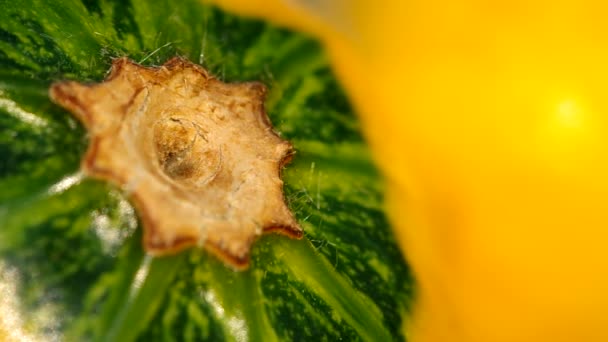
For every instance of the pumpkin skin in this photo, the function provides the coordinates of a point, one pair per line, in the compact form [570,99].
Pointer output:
[71,261]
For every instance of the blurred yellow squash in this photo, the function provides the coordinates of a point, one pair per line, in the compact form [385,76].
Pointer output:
[489,120]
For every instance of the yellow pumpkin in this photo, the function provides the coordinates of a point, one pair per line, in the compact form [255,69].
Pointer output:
[490,122]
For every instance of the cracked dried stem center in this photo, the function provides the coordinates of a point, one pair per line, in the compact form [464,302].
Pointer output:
[198,157]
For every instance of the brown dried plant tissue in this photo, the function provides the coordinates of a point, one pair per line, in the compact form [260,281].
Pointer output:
[198,157]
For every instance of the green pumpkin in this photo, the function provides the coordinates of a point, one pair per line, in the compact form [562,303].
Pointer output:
[72,265]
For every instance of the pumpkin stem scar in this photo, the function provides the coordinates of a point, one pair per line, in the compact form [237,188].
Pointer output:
[198,157]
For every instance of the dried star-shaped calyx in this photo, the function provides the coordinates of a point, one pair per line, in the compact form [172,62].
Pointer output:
[197,156]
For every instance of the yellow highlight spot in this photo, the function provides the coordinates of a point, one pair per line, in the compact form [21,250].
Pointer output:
[569,114]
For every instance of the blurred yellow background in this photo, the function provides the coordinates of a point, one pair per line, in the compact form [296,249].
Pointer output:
[489,121]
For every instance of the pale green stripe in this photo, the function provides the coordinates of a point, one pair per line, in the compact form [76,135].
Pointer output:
[314,270]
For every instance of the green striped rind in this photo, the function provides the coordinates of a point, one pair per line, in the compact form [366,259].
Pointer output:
[75,241]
